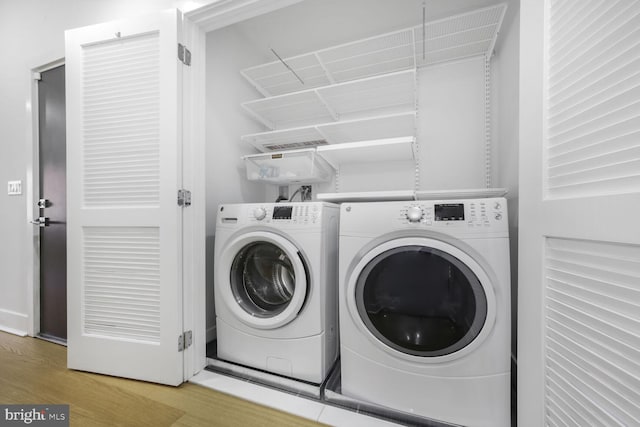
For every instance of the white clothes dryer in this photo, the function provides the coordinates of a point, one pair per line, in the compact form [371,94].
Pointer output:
[276,287]
[424,303]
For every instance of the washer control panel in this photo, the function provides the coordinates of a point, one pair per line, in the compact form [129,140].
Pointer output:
[464,213]
[307,213]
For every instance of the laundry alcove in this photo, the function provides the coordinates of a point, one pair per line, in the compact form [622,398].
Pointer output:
[383,119]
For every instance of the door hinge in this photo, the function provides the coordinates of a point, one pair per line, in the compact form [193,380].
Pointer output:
[184,55]
[184,340]
[184,198]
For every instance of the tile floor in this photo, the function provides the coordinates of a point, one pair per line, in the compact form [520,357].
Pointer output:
[301,406]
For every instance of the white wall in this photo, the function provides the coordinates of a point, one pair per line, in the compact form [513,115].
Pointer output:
[227,53]
[451,125]
[505,104]
[33,31]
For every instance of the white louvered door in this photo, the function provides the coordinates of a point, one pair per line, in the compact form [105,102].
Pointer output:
[124,225]
[579,271]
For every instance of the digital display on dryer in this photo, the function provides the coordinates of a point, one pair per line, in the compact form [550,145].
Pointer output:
[282,212]
[449,212]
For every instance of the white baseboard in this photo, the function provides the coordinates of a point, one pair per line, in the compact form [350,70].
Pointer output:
[14,323]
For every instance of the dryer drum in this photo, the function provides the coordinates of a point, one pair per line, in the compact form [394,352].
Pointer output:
[262,279]
[421,301]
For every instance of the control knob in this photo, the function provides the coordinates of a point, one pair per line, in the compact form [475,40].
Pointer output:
[259,213]
[414,214]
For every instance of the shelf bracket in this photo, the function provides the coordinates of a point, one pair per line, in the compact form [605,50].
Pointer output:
[487,120]
[270,125]
[255,84]
[335,116]
[325,69]
[424,30]
[287,65]
[323,135]
[416,145]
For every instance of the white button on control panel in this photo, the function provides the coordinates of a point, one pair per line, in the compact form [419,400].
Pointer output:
[414,213]
[259,213]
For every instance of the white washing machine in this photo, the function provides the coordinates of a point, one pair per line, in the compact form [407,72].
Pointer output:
[424,304]
[276,287]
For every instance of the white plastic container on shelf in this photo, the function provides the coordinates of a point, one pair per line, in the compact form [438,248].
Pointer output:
[286,167]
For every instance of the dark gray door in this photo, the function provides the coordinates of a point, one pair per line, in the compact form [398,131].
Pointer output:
[53,238]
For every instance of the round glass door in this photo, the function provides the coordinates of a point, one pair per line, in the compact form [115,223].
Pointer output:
[421,301]
[263,279]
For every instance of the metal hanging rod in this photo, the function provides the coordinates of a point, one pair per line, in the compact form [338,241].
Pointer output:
[286,65]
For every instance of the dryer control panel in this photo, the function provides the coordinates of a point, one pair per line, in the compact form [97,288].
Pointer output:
[472,213]
[462,218]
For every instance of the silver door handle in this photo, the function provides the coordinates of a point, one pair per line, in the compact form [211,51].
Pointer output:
[43,221]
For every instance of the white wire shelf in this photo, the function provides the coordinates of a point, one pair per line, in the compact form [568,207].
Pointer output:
[385,94]
[381,150]
[456,37]
[371,128]
[470,193]
[378,196]
[318,164]
[367,196]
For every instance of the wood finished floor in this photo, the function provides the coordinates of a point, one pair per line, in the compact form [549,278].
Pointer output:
[33,371]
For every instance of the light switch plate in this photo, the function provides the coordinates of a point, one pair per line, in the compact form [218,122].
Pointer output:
[14,188]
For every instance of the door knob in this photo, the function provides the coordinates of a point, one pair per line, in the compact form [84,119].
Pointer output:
[43,221]
[44,203]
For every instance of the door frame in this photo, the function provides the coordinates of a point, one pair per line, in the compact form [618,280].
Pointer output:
[32,192]
[198,23]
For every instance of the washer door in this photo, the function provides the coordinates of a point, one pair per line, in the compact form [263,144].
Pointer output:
[264,280]
[422,298]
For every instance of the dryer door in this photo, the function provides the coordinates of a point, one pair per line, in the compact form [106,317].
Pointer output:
[422,297]
[264,279]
